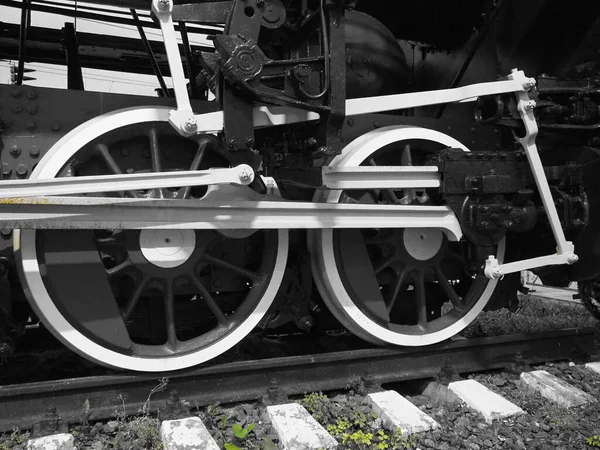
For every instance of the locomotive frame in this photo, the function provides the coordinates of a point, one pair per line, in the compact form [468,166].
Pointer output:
[282,158]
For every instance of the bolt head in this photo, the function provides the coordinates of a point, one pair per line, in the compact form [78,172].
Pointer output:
[245,175]
[163,4]
[190,124]
[530,105]
[15,150]
[22,170]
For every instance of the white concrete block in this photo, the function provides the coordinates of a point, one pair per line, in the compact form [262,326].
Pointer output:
[595,367]
[62,441]
[486,402]
[555,389]
[297,429]
[186,434]
[396,411]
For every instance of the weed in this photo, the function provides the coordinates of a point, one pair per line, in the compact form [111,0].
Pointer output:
[593,441]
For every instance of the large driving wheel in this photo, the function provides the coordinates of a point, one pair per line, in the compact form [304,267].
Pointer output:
[147,300]
[397,286]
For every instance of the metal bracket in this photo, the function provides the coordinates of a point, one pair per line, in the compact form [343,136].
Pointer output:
[565,250]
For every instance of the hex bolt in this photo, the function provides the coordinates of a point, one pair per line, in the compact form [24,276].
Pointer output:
[164,4]
[15,150]
[530,105]
[190,124]
[5,232]
[232,143]
[250,143]
[34,152]
[22,170]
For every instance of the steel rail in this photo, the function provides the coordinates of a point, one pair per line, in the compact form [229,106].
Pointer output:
[24,404]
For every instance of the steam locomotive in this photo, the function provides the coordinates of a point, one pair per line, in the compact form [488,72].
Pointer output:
[390,167]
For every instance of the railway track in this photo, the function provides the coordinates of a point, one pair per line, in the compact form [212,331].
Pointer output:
[274,379]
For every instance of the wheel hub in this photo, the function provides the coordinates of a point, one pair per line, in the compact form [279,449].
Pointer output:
[167,248]
[422,243]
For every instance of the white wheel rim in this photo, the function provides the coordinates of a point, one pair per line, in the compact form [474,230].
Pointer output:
[325,268]
[29,269]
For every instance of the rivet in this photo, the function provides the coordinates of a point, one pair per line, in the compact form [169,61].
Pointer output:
[17,108]
[31,125]
[250,143]
[31,108]
[6,169]
[31,95]
[350,122]
[16,93]
[7,123]
[55,126]
[15,150]
[22,170]
[376,124]
[34,152]
[232,143]
[5,232]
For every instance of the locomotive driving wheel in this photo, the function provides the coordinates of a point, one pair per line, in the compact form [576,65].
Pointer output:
[396,286]
[147,300]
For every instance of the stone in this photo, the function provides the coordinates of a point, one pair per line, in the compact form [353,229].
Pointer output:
[439,394]
[555,389]
[489,404]
[97,445]
[297,429]
[594,367]
[63,441]
[186,434]
[396,412]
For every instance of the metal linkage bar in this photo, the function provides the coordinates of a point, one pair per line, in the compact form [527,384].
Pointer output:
[380,177]
[565,251]
[242,174]
[120,213]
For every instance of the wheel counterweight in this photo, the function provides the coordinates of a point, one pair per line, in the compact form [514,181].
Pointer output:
[146,300]
[396,286]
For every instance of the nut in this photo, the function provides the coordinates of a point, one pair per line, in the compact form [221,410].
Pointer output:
[22,170]
[572,258]
[15,150]
[164,4]
[190,125]
[245,175]
[529,105]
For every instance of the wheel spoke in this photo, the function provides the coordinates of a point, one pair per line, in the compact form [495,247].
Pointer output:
[119,268]
[398,282]
[421,300]
[135,297]
[210,301]
[185,191]
[112,164]
[449,290]
[232,267]
[170,316]
[384,264]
